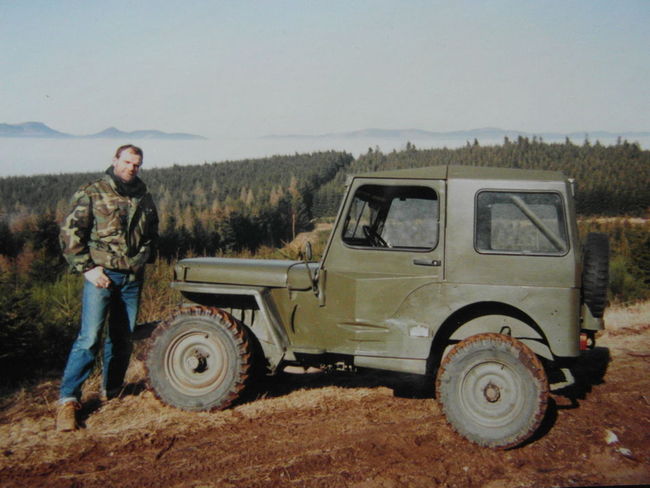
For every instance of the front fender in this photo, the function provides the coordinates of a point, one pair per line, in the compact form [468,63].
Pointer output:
[251,305]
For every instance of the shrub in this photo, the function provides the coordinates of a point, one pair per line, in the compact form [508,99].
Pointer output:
[19,336]
[623,284]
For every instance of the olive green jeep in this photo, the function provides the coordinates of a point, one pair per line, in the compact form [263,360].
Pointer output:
[474,277]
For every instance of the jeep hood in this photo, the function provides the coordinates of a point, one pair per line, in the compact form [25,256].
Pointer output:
[246,272]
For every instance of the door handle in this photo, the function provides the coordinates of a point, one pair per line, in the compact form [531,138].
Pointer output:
[427,262]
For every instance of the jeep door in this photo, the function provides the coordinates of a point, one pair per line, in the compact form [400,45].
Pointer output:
[388,242]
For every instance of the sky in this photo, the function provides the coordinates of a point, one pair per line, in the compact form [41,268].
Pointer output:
[255,68]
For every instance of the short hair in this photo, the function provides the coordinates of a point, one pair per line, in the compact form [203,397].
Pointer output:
[128,147]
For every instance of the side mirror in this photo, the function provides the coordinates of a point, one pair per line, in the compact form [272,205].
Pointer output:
[308,257]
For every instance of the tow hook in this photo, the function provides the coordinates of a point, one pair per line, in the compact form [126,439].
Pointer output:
[587,340]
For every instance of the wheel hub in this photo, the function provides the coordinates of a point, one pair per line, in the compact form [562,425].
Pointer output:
[197,362]
[492,393]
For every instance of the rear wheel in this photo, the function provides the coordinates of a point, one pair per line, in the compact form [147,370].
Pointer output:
[493,390]
[199,360]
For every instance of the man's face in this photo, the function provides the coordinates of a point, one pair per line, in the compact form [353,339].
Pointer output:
[126,167]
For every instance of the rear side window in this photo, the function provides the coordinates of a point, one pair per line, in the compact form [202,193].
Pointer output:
[401,217]
[520,223]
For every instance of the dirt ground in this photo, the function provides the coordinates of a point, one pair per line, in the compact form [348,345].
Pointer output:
[341,430]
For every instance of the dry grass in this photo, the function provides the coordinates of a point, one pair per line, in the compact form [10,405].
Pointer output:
[609,220]
[628,316]
[158,298]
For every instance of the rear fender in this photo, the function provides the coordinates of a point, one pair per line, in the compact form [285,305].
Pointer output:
[487,317]
[502,324]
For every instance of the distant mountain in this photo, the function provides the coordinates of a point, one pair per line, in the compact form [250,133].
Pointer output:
[29,129]
[38,129]
[482,133]
[113,133]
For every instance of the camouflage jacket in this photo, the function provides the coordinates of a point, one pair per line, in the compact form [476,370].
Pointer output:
[106,228]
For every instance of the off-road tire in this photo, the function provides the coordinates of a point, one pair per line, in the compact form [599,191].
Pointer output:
[595,273]
[493,390]
[199,360]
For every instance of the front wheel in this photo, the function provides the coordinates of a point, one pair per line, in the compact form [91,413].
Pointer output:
[493,390]
[199,360]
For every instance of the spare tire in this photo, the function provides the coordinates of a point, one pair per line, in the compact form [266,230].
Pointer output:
[595,273]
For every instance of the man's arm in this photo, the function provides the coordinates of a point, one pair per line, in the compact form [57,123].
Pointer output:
[74,236]
[75,233]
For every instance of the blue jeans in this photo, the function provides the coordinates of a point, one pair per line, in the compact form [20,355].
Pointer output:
[120,303]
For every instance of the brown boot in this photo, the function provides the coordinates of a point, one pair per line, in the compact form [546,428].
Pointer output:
[66,417]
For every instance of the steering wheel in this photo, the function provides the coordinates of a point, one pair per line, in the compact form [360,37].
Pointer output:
[375,239]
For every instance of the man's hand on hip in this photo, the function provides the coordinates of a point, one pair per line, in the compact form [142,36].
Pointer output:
[97,277]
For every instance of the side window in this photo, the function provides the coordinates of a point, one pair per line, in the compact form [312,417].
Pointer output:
[520,223]
[402,217]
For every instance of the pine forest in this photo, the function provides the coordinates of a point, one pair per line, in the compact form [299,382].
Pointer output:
[256,207]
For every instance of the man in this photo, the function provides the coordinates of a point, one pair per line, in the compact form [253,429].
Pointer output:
[108,236]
